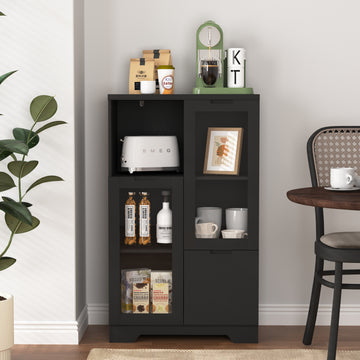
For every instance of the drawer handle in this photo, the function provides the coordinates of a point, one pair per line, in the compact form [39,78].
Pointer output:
[220,251]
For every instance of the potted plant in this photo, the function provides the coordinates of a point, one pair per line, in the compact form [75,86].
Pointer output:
[18,217]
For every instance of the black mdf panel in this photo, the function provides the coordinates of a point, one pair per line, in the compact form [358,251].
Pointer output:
[220,287]
[144,117]
[224,195]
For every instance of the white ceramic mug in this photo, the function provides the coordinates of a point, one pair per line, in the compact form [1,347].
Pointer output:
[206,214]
[236,218]
[206,230]
[147,87]
[342,178]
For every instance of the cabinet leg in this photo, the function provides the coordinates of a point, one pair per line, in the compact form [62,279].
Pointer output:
[244,335]
[123,335]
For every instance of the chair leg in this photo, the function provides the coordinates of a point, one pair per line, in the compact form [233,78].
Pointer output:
[314,304]
[335,313]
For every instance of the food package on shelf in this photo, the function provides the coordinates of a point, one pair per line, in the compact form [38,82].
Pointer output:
[128,278]
[141,298]
[141,69]
[160,57]
[160,300]
[162,276]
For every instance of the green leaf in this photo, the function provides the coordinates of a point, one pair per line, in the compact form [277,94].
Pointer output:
[12,223]
[2,14]
[16,209]
[6,181]
[22,168]
[6,262]
[5,76]
[25,136]
[4,154]
[49,125]
[44,180]
[15,146]
[43,107]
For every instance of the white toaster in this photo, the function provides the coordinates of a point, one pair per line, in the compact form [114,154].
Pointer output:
[150,153]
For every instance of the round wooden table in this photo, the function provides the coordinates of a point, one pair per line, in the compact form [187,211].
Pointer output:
[320,197]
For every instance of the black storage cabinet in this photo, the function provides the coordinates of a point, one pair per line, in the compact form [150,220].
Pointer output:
[215,281]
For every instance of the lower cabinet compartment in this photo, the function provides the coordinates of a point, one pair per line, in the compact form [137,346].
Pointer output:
[220,287]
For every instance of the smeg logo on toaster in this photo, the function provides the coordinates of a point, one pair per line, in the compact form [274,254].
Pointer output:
[156,150]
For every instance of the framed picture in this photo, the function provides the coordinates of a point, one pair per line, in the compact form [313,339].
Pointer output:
[223,151]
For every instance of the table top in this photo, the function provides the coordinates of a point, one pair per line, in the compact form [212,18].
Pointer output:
[320,197]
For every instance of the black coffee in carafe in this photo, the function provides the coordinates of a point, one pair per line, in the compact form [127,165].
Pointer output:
[209,71]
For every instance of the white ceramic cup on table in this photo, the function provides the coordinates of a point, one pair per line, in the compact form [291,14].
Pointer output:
[342,178]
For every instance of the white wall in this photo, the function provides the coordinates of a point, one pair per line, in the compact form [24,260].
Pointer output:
[37,38]
[303,59]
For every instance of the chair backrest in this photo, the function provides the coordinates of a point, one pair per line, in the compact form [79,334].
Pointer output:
[332,146]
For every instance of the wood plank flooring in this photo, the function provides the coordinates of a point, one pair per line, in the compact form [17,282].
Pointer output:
[270,337]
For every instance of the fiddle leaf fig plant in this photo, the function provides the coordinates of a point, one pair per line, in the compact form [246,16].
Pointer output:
[18,217]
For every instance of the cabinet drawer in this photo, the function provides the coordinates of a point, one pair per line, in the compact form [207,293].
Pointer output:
[221,287]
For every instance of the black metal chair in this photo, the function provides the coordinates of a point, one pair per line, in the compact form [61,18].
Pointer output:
[327,148]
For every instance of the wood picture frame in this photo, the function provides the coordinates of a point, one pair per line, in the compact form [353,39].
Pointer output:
[223,151]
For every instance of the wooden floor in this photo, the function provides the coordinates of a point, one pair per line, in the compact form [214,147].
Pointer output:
[270,337]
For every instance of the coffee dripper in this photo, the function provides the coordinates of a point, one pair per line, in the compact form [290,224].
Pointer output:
[209,55]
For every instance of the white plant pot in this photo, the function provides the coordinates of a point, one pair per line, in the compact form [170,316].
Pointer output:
[6,326]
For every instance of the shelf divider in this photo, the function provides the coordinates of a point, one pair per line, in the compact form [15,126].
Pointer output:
[222,178]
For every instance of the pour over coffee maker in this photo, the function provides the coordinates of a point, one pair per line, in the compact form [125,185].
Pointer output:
[210,62]
[209,56]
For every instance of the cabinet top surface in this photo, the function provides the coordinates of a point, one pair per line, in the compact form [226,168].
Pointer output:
[183,97]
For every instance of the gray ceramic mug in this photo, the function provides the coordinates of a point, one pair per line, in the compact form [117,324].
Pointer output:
[210,214]
[236,218]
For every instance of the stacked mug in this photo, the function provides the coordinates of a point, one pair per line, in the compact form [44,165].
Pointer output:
[208,223]
[236,67]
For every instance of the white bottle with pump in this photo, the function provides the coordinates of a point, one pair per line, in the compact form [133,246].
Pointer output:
[164,221]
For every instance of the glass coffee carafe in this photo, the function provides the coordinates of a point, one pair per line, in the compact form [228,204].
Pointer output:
[209,71]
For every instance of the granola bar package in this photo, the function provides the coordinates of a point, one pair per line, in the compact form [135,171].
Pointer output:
[161,276]
[128,278]
[141,297]
[160,303]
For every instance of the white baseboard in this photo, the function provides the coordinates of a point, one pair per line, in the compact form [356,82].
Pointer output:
[51,332]
[292,314]
[98,314]
[269,314]
[82,322]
